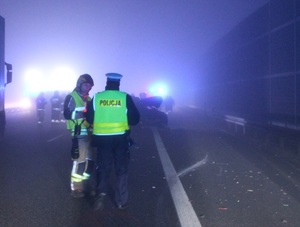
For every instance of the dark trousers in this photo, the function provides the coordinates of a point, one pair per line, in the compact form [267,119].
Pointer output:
[40,114]
[56,114]
[113,151]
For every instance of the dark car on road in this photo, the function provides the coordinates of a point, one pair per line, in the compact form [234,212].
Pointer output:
[149,111]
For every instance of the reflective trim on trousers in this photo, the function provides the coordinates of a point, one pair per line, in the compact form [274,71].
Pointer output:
[78,178]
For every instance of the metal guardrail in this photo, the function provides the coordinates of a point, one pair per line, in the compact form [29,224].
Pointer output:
[236,121]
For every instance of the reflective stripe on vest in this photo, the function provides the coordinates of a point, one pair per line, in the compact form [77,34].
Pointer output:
[110,113]
[80,106]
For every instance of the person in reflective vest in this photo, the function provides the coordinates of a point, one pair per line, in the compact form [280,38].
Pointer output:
[81,151]
[112,112]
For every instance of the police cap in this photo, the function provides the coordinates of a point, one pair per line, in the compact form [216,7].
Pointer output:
[113,77]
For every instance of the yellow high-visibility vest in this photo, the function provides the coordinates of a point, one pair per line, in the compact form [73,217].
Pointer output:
[80,106]
[110,116]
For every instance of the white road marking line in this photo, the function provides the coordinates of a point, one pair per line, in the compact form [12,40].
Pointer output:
[55,138]
[185,211]
[192,167]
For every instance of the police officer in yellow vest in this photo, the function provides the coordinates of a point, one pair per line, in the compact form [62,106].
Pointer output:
[81,152]
[112,112]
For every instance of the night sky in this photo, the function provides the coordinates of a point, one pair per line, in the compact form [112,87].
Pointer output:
[146,41]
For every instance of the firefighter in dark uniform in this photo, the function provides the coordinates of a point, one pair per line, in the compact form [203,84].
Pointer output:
[40,107]
[55,107]
[81,152]
[112,112]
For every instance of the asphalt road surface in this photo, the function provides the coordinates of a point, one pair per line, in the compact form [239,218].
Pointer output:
[189,174]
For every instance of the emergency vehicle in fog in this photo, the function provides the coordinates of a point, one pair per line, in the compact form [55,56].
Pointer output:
[5,77]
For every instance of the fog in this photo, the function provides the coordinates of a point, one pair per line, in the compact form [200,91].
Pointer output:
[149,42]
